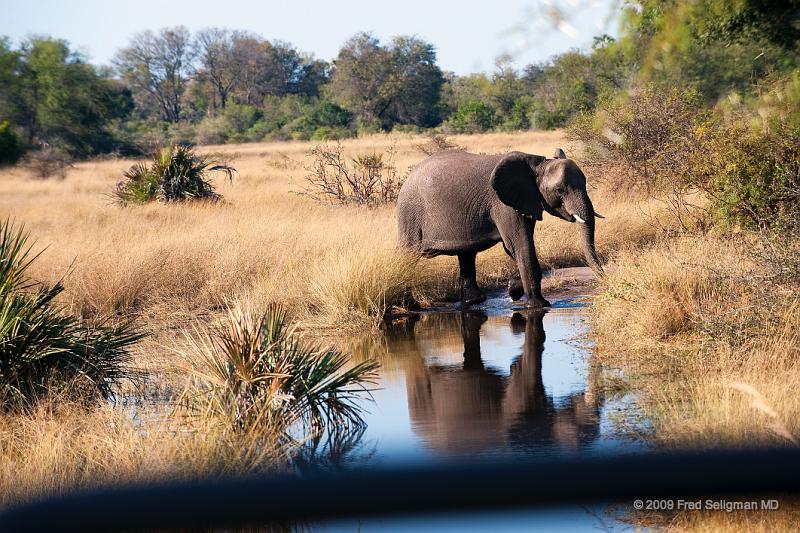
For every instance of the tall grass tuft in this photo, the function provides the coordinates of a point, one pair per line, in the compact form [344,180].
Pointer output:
[362,286]
[254,371]
[42,349]
[177,173]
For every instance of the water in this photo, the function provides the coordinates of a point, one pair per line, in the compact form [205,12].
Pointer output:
[493,382]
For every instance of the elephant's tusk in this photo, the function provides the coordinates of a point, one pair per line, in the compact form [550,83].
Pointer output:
[579,219]
[598,215]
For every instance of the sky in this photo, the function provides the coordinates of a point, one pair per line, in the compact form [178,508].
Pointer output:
[468,35]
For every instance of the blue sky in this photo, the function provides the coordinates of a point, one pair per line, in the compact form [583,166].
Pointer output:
[469,35]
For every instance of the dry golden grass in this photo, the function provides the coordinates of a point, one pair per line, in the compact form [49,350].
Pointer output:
[60,447]
[167,265]
[679,316]
[327,264]
[711,343]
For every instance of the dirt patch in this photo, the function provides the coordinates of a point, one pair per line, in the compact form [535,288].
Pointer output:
[570,282]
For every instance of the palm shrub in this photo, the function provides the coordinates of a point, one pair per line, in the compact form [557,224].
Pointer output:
[177,173]
[43,349]
[254,371]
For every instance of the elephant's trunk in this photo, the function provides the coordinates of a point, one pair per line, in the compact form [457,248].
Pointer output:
[584,214]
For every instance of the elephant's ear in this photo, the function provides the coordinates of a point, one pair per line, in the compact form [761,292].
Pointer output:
[514,182]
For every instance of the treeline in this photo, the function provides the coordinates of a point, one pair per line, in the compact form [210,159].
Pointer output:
[220,86]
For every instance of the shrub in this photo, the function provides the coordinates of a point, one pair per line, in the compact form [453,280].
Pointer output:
[368,179]
[667,141]
[519,116]
[48,162]
[473,116]
[10,149]
[642,140]
[255,371]
[43,350]
[752,176]
[326,133]
[212,130]
[177,173]
[438,143]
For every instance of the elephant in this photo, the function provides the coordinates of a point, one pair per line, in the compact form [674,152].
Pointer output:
[459,203]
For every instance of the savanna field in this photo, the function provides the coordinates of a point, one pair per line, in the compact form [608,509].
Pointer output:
[710,343]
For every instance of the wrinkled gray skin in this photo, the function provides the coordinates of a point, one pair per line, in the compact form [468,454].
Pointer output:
[457,203]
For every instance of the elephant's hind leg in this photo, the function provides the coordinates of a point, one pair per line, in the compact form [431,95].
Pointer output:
[471,294]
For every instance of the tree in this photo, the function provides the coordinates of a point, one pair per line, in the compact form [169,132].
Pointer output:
[363,80]
[222,64]
[419,83]
[9,81]
[716,45]
[385,85]
[62,101]
[157,67]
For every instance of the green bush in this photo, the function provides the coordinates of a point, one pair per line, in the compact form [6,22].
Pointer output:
[753,172]
[519,116]
[745,160]
[212,130]
[43,350]
[327,133]
[473,116]
[10,149]
[177,173]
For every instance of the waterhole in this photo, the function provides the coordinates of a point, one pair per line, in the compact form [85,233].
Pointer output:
[488,382]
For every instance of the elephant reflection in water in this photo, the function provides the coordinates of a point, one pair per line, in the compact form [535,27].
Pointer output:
[472,408]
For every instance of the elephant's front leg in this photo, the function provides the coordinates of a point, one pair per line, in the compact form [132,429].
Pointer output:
[515,287]
[470,292]
[520,246]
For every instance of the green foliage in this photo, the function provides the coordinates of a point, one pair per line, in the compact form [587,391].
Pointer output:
[323,121]
[10,149]
[753,166]
[746,162]
[255,371]
[473,116]
[43,350]
[177,173]
[716,45]
[385,85]
[58,99]
[573,82]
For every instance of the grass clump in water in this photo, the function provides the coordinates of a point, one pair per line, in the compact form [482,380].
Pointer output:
[255,372]
[177,173]
[43,349]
